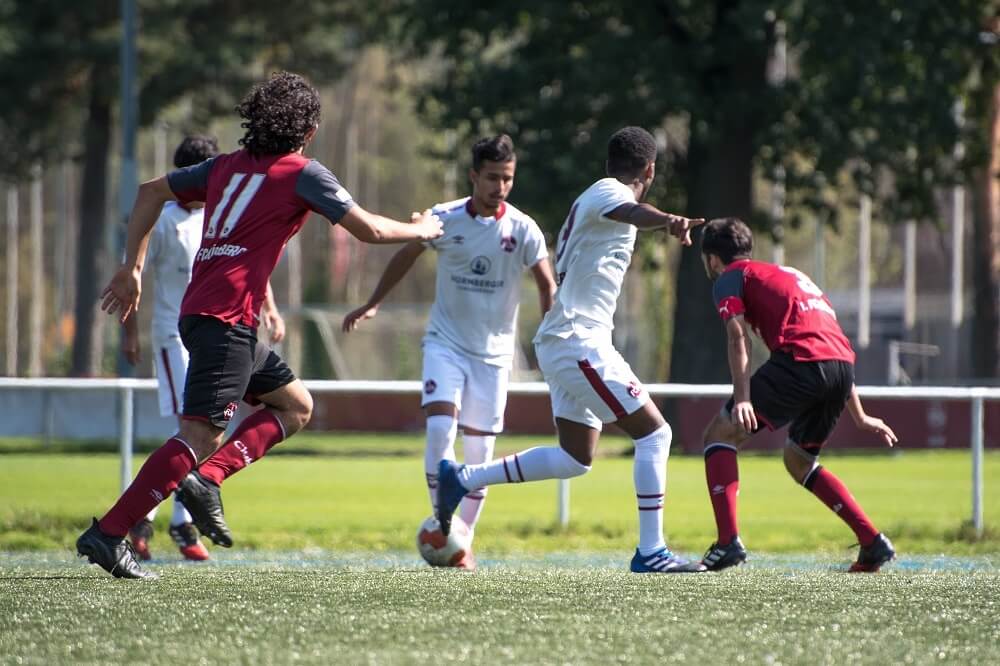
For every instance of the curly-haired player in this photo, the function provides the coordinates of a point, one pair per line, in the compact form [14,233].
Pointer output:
[256,199]
[807,382]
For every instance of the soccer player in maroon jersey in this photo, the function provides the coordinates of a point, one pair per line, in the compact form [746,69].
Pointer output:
[256,199]
[807,382]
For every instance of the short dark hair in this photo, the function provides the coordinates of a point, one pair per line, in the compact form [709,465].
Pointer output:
[195,149]
[496,149]
[279,113]
[728,238]
[630,149]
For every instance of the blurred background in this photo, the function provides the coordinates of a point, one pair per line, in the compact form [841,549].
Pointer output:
[860,139]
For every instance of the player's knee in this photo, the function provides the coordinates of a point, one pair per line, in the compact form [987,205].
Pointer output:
[721,429]
[298,413]
[571,465]
[797,462]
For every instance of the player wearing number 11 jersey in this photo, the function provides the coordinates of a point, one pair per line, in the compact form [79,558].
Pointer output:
[807,382]
[256,199]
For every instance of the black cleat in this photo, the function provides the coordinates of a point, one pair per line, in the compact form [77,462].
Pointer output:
[113,554]
[873,556]
[203,500]
[719,557]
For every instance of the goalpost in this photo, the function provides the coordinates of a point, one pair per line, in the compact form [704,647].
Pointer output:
[126,388]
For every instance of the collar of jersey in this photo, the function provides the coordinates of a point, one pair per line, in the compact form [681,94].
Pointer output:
[470,209]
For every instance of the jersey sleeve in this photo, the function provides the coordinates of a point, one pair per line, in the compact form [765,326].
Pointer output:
[322,192]
[191,183]
[609,195]
[728,294]
[534,246]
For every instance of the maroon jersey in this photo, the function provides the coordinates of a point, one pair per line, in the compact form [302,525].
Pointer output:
[253,205]
[785,307]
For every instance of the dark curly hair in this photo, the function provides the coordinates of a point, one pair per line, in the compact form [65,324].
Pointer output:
[629,151]
[496,149]
[728,238]
[195,149]
[279,113]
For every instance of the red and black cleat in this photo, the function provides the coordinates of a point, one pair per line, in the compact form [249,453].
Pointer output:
[140,536]
[874,555]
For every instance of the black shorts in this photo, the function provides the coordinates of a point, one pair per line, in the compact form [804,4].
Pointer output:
[227,364]
[811,395]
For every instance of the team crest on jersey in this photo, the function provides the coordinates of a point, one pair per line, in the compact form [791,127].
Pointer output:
[508,243]
[230,411]
[634,389]
[458,239]
[480,265]
[430,386]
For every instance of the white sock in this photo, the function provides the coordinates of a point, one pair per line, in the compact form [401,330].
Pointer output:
[180,514]
[477,449]
[441,431]
[541,462]
[649,472]
[151,516]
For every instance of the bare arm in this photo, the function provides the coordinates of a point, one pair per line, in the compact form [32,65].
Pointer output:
[130,339]
[124,290]
[645,216]
[869,423]
[371,228]
[738,351]
[546,283]
[271,317]
[395,270]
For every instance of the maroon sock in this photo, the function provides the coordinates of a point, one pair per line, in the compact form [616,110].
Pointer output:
[832,492]
[723,475]
[251,440]
[157,478]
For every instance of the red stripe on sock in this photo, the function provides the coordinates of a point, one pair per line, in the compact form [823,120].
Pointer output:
[250,442]
[832,492]
[602,389]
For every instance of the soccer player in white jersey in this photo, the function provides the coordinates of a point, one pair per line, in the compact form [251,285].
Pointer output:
[172,247]
[589,382]
[469,343]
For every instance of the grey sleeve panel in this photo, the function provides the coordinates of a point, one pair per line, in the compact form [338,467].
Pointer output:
[322,192]
[191,183]
[728,284]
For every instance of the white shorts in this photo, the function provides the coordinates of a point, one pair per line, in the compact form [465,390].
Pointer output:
[171,360]
[589,381]
[476,388]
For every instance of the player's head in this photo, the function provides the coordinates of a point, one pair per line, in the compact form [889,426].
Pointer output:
[492,172]
[632,157]
[280,115]
[723,241]
[195,149]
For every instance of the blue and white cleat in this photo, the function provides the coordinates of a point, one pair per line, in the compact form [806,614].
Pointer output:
[664,561]
[450,493]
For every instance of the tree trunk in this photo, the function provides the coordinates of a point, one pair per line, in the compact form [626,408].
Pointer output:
[91,261]
[719,185]
[986,255]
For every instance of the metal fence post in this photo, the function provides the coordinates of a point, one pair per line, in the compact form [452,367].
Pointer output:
[125,434]
[562,499]
[977,464]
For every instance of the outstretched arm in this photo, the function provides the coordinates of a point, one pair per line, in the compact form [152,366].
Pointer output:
[371,228]
[123,291]
[395,270]
[738,351]
[645,216]
[546,283]
[869,423]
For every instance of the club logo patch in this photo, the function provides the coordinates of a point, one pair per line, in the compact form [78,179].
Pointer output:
[634,389]
[430,386]
[480,265]
[508,243]
[230,411]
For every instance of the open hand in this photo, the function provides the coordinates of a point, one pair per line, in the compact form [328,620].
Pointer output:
[429,223]
[275,323]
[878,427]
[355,317]
[122,293]
[744,416]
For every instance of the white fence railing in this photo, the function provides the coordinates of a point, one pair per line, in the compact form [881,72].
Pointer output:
[977,396]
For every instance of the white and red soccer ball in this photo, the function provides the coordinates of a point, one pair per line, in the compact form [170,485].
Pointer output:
[439,550]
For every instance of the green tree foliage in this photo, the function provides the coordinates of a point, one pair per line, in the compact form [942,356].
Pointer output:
[871,89]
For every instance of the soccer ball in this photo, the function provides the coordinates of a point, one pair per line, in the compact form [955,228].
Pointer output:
[439,550]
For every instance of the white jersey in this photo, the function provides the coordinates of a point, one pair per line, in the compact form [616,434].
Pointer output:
[172,246]
[478,287]
[592,254]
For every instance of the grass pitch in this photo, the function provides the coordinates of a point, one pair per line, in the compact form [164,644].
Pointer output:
[544,612]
